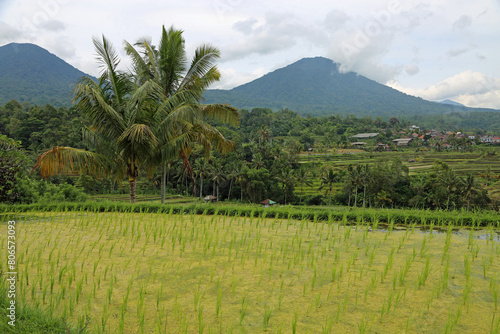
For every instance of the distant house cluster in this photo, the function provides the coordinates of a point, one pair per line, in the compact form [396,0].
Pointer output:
[441,138]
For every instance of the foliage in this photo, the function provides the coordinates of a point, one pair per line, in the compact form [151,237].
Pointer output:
[31,74]
[12,160]
[41,191]
[390,185]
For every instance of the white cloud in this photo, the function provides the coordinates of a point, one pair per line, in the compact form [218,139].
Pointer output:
[473,89]
[362,42]
[457,52]
[53,25]
[276,32]
[8,33]
[462,23]
[412,69]
[230,77]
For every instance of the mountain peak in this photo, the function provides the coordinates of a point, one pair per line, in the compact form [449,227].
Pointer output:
[29,73]
[315,86]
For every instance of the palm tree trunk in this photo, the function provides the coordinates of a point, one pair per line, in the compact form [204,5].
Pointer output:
[201,186]
[163,181]
[230,186]
[131,181]
[301,190]
[241,192]
[364,196]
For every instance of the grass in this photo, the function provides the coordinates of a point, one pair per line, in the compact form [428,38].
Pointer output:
[164,272]
[34,319]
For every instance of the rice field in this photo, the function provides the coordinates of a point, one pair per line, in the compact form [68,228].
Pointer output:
[167,273]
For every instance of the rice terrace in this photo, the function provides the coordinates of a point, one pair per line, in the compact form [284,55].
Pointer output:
[244,269]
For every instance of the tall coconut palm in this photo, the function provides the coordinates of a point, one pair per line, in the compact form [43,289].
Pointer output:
[470,187]
[202,169]
[176,88]
[303,177]
[218,176]
[121,132]
[234,174]
[327,183]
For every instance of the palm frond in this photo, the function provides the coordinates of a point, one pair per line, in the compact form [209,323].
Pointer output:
[221,112]
[137,140]
[70,161]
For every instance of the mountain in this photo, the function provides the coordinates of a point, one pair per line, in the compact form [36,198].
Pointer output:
[315,86]
[453,103]
[29,73]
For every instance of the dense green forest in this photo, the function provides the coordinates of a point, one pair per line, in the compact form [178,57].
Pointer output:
[266,163]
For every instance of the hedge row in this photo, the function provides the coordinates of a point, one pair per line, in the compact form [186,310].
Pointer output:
[342,214]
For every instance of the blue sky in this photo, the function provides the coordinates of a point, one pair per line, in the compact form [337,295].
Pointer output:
[439,49]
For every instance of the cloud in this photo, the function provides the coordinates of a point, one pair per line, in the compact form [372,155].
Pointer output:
[457,52]
[360,43]
[276,32]
[462,23]
[412,69]
[473,89]
[232,78]
[8,33]
[53,25]
[336,19]
[245,26]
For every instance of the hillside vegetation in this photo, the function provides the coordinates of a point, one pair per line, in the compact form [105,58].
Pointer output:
[29,73]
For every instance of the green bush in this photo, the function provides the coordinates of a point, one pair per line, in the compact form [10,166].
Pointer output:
[31,191]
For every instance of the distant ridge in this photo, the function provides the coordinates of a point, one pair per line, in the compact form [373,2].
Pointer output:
[315,86]
[451,102]
[29,73]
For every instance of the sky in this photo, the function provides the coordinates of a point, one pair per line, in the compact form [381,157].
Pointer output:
[436,49]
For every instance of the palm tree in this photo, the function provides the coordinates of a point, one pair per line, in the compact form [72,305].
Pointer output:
[121,131]
[234,174]
[470,187]
[327,183]
[448,180]
[217,177]
[202,169]
[287,178]
[175,87]
[257,161]
[303,177]
[366,178]
[354,179]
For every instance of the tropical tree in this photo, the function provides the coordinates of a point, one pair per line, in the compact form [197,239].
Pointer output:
[120,132]
[287,179]
[449,181]
[327,183]
[303,177]
[12,160]
[202,169]
[234,174]
[258,161]
[470,188]
[175,89]
[366,178]
[218,176]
